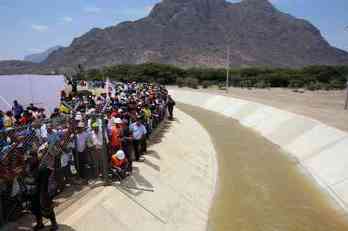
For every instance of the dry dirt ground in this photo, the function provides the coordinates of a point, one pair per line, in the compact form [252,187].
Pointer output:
[325,106]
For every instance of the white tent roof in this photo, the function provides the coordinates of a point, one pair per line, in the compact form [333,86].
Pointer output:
[42,90]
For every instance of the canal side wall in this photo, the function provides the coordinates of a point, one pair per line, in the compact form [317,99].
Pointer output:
[320,149]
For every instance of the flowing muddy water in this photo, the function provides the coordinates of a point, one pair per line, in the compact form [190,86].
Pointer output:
[259,187]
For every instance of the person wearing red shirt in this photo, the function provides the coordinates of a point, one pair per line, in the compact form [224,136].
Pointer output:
[116,135]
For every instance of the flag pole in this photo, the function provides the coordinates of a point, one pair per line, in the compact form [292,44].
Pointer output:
[227,68]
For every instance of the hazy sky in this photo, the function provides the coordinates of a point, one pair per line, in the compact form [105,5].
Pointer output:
[30,26]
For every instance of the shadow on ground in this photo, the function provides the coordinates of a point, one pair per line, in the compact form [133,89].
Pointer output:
[29,228]
[134,185]
[158,135]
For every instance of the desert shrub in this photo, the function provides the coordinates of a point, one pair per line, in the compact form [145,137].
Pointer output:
[261,84]
[296,83]
[278,80]
[180,82]
[326,87]
[192,83]
[222,86]
[337,84]
[313,86]
[325,77]
[207,84]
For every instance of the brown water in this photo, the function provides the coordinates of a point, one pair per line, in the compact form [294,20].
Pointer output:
[259,187]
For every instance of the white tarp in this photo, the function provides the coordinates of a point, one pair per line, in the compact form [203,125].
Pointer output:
[42,90]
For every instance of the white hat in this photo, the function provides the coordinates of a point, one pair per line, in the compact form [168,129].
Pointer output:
[78,117]
[120,155]
[117,121]
[91,111]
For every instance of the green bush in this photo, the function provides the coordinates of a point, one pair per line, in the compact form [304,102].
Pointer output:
[325,86]
[313,86]
[337,84]
[180,82]
[311,77]
[296,83]
[222,86]
[261,84]
[278,79]
[207,84]
[192,83]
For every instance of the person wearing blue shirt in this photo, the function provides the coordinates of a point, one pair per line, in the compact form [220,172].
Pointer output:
[139,137]
[17,110]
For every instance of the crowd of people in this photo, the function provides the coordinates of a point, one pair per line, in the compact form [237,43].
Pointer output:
[86,137]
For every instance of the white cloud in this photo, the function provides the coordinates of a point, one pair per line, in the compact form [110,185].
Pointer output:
[39,28]
[67,19]
[92,9]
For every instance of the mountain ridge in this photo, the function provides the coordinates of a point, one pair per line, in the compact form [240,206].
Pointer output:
[190,33]
[41,56]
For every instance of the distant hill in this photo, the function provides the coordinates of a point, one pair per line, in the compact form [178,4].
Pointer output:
[11,67]
[191,33]
[40,57]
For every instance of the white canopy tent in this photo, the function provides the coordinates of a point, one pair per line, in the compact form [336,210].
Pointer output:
[42,90]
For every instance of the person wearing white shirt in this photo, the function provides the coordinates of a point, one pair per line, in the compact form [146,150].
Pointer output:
[139,132]
[97,138]
[81,148]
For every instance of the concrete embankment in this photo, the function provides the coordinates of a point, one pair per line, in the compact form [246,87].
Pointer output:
[319,149]
[175,187]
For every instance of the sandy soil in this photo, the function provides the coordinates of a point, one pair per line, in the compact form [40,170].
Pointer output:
[325,106]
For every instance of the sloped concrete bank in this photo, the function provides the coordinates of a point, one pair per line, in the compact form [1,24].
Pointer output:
[319,149]
[171,191]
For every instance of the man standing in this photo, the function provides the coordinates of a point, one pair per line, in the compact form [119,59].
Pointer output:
[81,148]
[17,110]
[170,105]
[147,118]
[139,135]
[126,144]
[97,139]
[42,201]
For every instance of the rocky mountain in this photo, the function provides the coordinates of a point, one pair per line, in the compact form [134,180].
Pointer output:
[197,33]
[40,57]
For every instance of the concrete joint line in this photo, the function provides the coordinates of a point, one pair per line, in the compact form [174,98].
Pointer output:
[339,182]
[324,185]
[328,146]
[120,189]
